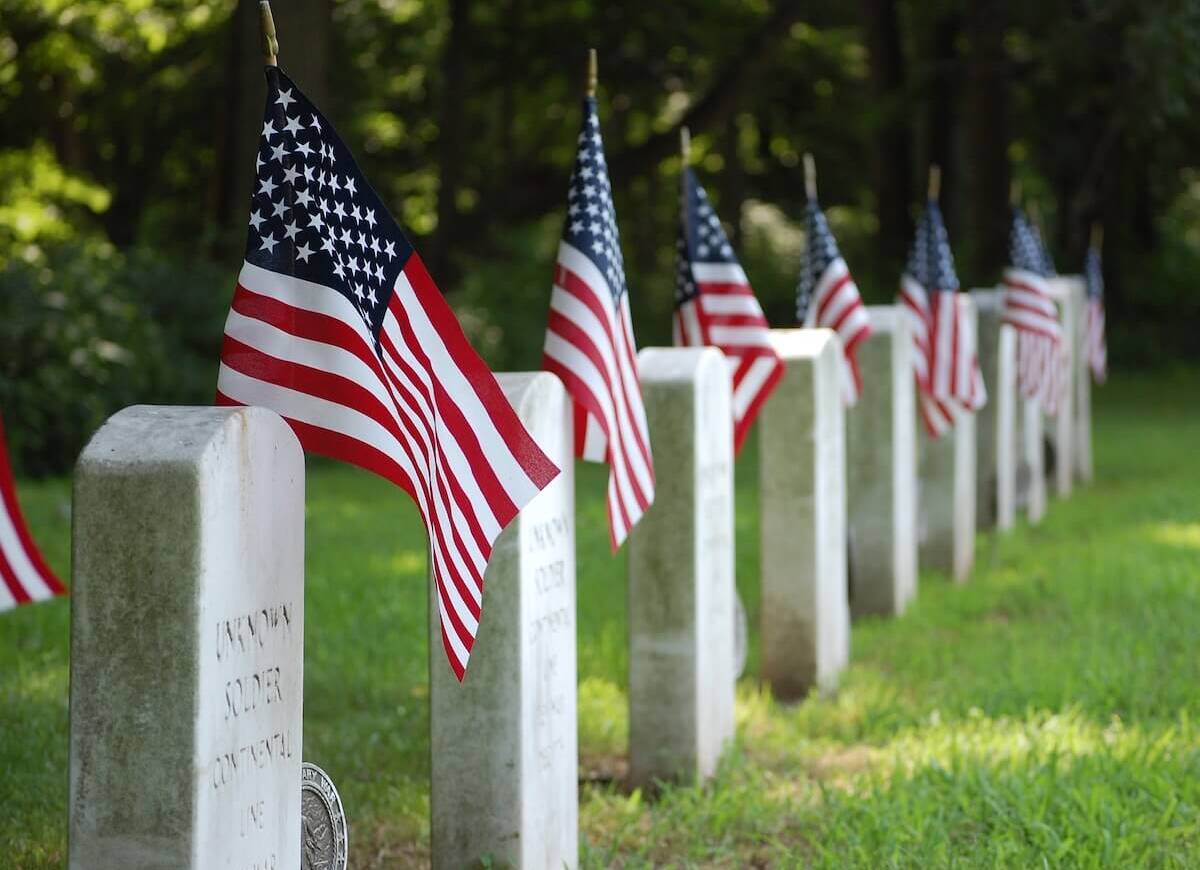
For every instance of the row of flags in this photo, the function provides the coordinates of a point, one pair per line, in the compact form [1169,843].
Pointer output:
[337,326]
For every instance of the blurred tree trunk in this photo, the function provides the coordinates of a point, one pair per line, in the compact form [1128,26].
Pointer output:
[942,118]
[455,57]
[893,160]
[987,136]
[732,182]
[303,28]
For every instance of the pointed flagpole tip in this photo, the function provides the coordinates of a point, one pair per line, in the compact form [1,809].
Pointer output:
[1097,234]
[593,75]
[935,182]
[685,144]
[810,176]
[270,43]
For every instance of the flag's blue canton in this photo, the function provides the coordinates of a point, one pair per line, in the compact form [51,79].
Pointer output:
[313,215]
[1043,252]
[1024,249]
[820,250]
[591,226]
[702,239]
[930,262]
[1093,273]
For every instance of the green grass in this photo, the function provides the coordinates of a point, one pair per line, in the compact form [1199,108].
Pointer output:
[1046,714]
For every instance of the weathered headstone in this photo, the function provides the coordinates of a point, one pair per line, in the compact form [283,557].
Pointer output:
[947,486]
[1033,453]
[1083,388]
[989,306]
[1007,400]
[504,745]
[187,642]
[1070,306]
[681,573]
[802,492]
[881,470]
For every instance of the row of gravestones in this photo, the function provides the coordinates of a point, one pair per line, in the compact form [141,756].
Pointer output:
[188,614]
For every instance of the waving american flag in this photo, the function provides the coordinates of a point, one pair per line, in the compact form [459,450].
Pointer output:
[1097,344]
[715,305]
[337,327]
[827,296]
[589,337]
[1029,308]
[24,575]
[947,370]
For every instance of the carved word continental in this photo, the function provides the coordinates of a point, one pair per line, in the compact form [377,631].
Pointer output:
[231,766]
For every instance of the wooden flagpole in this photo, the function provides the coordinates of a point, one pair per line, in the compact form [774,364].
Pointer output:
[1097,239]
[1014,193]
[685,145]
[810,176]
[935,181]
[592,73]
[270,42]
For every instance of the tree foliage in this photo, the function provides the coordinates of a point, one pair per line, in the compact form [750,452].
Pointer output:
[129,126]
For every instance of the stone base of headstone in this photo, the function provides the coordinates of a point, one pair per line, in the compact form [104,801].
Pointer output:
[882,470]
[802,492]
[681,573]
[947,488]
[187,642]
[504,750]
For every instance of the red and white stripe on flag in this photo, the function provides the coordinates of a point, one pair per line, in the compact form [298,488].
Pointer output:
[589,345]
[945,362]
[1030,309]
[725,314]
[420,409]
[24,575]
[837,305]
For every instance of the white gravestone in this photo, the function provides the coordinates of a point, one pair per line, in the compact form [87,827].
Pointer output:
[881,450]
[1007,435]
[1033,449]
[681,573]
[947,486]
[504,745]
[1062,423]
[988,306]
[802,493]
[1083,386]
[187,642]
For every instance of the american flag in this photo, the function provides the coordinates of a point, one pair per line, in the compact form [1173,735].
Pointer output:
[827,296]
[337,326]
[24,575]
[1097,343]
[715,305]
[947,370]
[589,337]
[1029,308]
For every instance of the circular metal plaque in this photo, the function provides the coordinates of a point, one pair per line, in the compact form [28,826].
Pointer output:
[323,834]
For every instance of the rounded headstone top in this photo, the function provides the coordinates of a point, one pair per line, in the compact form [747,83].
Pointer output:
[805,343]
[526,391]
[171,435]
[678,364]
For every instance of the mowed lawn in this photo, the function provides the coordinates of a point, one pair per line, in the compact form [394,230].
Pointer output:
[1046,714]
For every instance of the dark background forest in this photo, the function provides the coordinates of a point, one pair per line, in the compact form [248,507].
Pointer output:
[129,129]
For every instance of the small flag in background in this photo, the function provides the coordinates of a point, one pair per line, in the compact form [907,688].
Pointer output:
[589,337]
[827,296]
[337,327]
[1097,343]
[1029,308]
[24,575]
[715,306]
[945,365]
